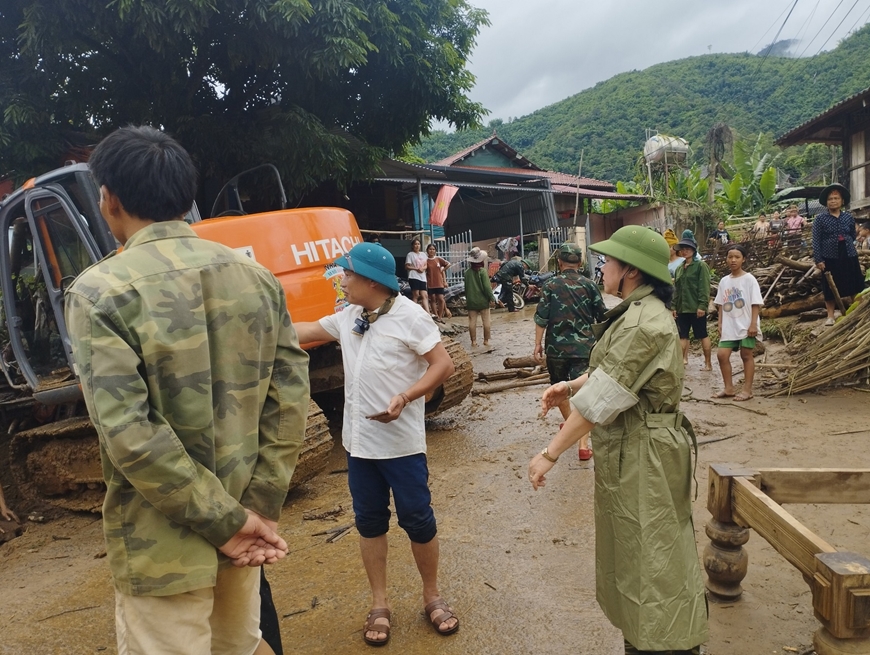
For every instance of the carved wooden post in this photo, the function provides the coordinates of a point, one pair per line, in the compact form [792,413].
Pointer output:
[841,600]
[725,560]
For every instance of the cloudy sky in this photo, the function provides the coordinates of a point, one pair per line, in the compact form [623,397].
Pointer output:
[537,52]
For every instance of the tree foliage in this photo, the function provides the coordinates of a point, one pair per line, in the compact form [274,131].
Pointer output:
[322,88]
[683,98]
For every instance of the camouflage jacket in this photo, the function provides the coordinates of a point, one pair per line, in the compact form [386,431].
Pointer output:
[197,387]
[570,303]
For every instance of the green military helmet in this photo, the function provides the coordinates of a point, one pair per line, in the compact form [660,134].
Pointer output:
[570,252]
[640,247]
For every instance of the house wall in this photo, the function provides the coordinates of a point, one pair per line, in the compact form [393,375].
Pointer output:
[490,158]
[856,160]
[602,226]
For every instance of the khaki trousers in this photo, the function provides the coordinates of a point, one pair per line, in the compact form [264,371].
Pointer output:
[219,620]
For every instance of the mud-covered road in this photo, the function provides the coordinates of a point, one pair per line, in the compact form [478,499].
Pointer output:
[517,566]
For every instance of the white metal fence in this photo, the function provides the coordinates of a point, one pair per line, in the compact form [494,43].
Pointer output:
[455,249]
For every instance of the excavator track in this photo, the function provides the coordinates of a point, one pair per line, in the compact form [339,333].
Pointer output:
[457,386]
[60,462]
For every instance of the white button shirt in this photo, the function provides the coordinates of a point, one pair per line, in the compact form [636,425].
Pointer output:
[383,362]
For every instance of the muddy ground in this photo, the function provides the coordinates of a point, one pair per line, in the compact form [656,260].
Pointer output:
[518,566]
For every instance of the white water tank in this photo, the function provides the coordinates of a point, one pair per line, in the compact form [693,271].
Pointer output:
[661,147]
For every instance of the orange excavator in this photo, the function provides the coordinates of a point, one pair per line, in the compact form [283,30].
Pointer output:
[51,229]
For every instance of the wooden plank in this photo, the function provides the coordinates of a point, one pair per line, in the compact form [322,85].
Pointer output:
[834,486]
[752,508]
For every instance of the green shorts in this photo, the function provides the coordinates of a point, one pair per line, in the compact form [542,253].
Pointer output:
[748,342]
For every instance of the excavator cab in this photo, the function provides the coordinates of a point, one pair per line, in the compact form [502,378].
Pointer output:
[49,233]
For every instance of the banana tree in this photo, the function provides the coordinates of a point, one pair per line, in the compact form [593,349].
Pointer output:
[753,179]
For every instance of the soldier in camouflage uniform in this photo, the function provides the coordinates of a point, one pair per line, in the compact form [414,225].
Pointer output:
[197,387]
[570,303]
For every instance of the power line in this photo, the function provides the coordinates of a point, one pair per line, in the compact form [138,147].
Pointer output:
[807,21]
[838,27]
[767,54]
[860,18]
[807,47]
[830,16]
[757,43]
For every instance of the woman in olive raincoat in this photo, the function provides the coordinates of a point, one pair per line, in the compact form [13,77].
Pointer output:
[648,578]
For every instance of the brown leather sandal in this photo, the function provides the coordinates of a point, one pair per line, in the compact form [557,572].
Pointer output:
[446,615]
[371,626]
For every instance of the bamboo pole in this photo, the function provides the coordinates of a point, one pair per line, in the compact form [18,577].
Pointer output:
[830,280]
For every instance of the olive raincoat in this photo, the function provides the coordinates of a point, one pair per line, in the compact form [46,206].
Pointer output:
[648,578]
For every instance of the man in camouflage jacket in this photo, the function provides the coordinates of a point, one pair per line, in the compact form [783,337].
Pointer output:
[197,387]
[570,303]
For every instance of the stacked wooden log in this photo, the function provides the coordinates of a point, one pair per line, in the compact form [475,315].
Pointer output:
[841,354]
[760,252]
[792,286]
[519,372]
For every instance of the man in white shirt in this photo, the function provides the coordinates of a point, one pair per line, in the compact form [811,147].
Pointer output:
[393,356]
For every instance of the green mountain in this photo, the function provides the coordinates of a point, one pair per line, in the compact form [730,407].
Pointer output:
[685,98]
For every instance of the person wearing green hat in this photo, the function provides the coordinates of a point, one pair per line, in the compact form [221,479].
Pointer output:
[393,356]
[648,577]
[570,303]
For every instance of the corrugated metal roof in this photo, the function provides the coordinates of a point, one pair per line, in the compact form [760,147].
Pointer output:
[462,154]
[794,136]
[528,167]
[597,194]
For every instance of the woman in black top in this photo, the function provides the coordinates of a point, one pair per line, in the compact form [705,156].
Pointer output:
[834,247]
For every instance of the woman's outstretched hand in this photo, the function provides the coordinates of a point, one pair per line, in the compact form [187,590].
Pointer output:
[553,397]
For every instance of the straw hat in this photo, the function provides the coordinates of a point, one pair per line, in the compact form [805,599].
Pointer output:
[476,256]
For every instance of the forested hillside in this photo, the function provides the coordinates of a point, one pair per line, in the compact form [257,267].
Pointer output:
[682,98]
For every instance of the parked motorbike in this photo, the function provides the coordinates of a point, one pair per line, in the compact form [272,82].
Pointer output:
[533,285]
[518,290]
[454,297]
[598,276]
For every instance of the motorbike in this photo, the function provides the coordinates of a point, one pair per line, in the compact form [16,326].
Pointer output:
[454,297]
[533,284]
[598,275]
[518,289]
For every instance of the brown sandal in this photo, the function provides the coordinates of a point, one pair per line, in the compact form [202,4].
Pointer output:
[446,615]
[371,626]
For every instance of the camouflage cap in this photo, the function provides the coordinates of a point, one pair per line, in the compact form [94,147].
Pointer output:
[570,252]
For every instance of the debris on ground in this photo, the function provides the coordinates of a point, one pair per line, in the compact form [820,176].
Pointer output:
[839,355]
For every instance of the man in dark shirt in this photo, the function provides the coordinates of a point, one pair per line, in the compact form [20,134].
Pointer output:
[720,234]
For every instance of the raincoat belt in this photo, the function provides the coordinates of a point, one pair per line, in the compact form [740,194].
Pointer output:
[673,420]
[677,420]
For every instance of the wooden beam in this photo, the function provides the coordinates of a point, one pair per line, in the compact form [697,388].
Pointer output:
[834,486]
[752,508]
[841,594]
[719,489]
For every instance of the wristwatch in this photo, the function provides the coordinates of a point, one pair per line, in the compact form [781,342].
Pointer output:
[547,456]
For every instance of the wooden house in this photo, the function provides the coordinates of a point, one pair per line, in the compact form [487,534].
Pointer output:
[846,124]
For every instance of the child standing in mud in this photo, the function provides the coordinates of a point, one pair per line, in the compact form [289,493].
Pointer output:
[739,301]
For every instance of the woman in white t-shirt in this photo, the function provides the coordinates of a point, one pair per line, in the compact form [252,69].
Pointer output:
[739,301]
[415,264]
